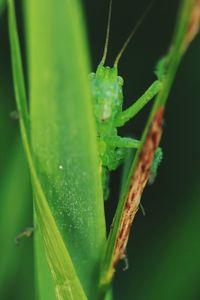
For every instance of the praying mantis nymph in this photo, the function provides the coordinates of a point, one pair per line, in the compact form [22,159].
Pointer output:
[107,95]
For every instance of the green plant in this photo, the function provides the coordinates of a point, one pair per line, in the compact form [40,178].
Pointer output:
[60,143]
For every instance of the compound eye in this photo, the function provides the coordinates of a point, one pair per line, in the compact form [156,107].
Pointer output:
[120,80]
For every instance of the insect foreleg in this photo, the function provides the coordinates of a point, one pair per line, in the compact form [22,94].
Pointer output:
[130,112]
[162,66]
[124,142]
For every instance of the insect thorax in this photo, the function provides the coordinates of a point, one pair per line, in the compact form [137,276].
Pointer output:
[106,88]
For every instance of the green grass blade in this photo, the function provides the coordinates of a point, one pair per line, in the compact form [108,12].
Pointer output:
[63,131]
[18,75]
[15,214]
[15,195]
[2,4]
[182,37]
[44,287]
[67,284]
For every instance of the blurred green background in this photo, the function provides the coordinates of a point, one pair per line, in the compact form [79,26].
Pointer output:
[164,246]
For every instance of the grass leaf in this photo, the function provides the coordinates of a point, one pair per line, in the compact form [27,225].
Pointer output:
[67,285]
[63,131]
[15,175]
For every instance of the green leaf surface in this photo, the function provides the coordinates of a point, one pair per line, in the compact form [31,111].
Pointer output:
[12,221]
[15,196]
[67,285]
[44,285]
[63,131]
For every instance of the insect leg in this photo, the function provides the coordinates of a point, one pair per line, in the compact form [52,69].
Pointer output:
[130,112]
[158,156]
[105,182]
[125,259]
[124,142]
[27,232]
[120,146]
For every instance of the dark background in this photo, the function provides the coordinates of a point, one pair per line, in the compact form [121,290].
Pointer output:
[164,246]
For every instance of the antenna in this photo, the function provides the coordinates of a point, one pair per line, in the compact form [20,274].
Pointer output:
[139,22]
[107,35]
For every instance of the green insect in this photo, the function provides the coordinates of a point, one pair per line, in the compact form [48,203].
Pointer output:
[107,93]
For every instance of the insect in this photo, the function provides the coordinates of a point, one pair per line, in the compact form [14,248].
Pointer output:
[27,232]
[107,93]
